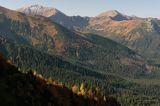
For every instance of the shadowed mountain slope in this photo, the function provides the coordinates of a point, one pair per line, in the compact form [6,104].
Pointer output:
[30,89]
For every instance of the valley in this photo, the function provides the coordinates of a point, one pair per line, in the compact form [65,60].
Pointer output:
[115,53]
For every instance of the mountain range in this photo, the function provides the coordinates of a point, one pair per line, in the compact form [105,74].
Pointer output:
[138,34]
[97,51]
[53,39]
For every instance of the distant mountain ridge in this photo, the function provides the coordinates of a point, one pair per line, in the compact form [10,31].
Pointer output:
[56,15]
[40,10]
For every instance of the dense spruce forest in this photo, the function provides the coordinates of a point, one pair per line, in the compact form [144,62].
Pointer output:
[32,89]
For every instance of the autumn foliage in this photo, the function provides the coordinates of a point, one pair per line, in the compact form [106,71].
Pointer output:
[32,89]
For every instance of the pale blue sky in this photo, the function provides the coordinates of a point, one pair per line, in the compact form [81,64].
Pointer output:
[142,8]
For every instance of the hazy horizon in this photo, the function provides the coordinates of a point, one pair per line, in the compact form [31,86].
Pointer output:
[87,8]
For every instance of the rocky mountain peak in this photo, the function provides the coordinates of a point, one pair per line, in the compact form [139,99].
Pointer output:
[114,14]
[111,13]
[39,10]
